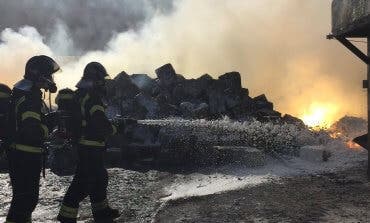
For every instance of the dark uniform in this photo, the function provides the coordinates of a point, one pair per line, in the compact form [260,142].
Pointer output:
[5,93]
[91,178]
[28,132]
[26,153]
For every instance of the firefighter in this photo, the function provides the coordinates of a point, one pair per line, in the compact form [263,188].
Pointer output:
[5,94]
[91,177]
[28,132]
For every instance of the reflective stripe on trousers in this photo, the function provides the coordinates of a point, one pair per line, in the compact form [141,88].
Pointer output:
[86,142]
[68,212]
[26,148]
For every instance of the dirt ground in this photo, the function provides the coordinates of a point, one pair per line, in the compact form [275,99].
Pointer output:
[331,197]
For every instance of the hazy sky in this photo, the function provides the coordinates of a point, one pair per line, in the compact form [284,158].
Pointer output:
[279,46]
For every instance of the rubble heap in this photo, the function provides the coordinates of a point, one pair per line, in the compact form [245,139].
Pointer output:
[171,95]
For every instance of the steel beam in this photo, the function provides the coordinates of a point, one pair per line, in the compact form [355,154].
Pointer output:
[353,49]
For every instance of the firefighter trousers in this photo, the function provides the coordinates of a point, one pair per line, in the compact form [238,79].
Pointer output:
[24,172]
[91,179]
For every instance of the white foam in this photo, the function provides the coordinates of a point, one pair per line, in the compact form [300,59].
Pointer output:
[231,177]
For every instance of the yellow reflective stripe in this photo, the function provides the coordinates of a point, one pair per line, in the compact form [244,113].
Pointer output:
[114,130]
[4,95]
[83,103]
[86,142]
[30,114]
[17,104]
[100,205]
[45,129]
[68,212]
[96,108]
[26,148]
[65,96]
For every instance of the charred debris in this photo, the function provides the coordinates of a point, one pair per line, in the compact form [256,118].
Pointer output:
[171,95]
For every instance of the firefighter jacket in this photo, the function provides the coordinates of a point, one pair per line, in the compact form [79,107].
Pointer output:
[4,107]
[28,128]
[96,127]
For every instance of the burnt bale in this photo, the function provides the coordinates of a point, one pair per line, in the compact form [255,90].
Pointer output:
[231,80]
[151,105]
[232,98]
[124,88]
[168,110]
[132,109]
[166,96]
[261,102]
[243,110]
[188,90]
[225,94]
[167,75]
[190,110]
[186,109]
[201,111]
[266,115]
[180,78]
[216,98]
[156,90]
[289,119]
[143,82]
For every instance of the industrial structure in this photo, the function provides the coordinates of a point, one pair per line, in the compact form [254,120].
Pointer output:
[351,19]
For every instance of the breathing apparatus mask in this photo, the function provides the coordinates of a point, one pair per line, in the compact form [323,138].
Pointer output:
[95,78]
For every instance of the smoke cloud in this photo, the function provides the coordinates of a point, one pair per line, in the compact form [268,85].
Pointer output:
[279,47]
[90,23]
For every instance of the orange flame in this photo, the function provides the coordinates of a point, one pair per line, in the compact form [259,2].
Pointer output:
[353,146]
[319,115]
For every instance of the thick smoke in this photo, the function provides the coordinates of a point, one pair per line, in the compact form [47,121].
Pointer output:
[16,48]
[90,23]
[278,46]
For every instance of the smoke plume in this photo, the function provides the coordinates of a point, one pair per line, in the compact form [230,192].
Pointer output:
[90,23]
[279,47]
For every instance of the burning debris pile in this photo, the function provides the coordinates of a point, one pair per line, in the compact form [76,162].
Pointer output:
[195,122]
[171,95]
[348,128]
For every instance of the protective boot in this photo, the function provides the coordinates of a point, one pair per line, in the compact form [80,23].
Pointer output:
[67,214]
[106,215]
[63,219]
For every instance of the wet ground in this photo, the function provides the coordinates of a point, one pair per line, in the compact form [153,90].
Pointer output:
[330,197]
[339,196]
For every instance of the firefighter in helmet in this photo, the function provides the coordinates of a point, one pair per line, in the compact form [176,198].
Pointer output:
[27,135]
[91,178]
